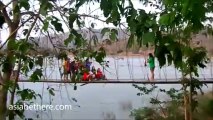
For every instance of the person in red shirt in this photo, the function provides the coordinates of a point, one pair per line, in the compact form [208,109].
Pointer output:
[99,74]
[85,76]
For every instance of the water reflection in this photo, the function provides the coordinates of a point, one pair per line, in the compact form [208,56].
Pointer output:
[126,105]
[109,116]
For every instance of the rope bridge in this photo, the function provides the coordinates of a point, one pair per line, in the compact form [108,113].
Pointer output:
[119,81]
[124,70]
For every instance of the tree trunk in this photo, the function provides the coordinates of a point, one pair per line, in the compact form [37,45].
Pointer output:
[3,101]
[11,113]
[186,105]
[3,95]
[6,76]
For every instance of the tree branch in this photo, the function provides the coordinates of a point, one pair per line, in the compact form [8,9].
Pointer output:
[28,13]
[8,4]
[15,31]
[33,24]
[61,14]
[4,13]
[48,35]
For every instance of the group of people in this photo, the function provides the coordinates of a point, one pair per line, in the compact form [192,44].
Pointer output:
[84,69]
[88,73]
[71,68]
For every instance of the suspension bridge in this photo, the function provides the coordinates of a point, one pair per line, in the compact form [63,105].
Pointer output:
[124,70]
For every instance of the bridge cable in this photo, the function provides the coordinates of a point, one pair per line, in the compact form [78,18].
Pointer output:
[141,66]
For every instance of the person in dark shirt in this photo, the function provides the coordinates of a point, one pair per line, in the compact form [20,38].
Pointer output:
[88,64]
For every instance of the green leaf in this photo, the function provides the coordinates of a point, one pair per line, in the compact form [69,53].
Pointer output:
[164,19]
[168,2]
[51,91]
[115,31]
[25,31]
[167,19]
[100,55]
[31,64]
[69,39]
[46,25]
[92,25]
[79,42]
[57,25]
[79,23]
[113,36]
[80,3]
[161,52]
[106,6]
[104,31]
[36,75]
[169,59]
[39,95]
[62,55]
[121,8]
[24,46]
[72,18]
[115,16]
[131,41]
[148,37]
[27,94]
[25,4]
[39,61]
[45,5]
[177,56]
[12,44]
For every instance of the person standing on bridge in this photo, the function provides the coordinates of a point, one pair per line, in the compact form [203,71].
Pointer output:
[66,66]
[151,61]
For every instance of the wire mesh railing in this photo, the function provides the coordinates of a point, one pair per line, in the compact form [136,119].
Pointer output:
[124,69]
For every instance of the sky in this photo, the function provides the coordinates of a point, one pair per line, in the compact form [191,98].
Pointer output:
[85,9]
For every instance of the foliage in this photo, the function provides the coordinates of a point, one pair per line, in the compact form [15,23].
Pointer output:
[204,107]
[146,114]
[173,107]
[169,29]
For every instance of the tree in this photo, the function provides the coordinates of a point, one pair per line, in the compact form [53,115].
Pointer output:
[169,28]
[23,17]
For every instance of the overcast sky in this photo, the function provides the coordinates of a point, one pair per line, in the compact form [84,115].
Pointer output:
[84,9]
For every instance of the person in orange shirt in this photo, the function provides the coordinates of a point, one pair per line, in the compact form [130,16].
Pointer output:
[66,65]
